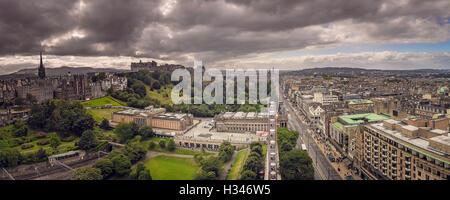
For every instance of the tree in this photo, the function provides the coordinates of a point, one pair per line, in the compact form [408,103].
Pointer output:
[88,140]
[83,123]
[211,165]
[126,131]
[162,144]
[256,155]
[41,154]
[151,145]
[171,145]
[226,151]
[139,88]
[253,144]
[141,173]
[248,175]
[20,128]
[87,173]
[54,140]
[105,125]
[254,164]
[286,138]
[135,151]
[9,158]
[296,165]
[258,149]
[61,116]
[285,146]
[106,167]
[146,132]
[156,85]
[122,164]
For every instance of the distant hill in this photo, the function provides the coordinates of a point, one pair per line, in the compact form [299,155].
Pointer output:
[60,71]
[359,70]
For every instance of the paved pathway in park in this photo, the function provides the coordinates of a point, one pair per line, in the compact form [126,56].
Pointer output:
[227,167]
[229,164]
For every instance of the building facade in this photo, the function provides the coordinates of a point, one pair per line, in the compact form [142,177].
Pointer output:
[245,122]
[399,151]
[154,117]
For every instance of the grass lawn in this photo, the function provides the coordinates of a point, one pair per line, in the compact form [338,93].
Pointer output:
[163,96]
[5,132]
[99,114]
[101,102]
[61,148]
[264,147]
[172,168]
[177,150]
[238,164]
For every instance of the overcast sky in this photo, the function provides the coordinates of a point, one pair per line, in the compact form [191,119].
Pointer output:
[289,34]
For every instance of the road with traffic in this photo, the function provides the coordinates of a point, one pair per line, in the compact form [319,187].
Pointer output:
[323,168]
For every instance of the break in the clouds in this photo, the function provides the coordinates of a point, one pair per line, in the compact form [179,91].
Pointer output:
[223,33]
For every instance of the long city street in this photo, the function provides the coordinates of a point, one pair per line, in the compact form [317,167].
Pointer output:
[323,169]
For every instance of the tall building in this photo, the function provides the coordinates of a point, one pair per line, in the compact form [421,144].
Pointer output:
[41,69]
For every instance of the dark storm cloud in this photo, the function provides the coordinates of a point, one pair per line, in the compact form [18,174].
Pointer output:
[115,25]
[24,24]
[212,30]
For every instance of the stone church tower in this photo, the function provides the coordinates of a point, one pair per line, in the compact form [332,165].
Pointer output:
[41,70]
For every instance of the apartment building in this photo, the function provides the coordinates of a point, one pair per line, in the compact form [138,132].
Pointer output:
[400,151]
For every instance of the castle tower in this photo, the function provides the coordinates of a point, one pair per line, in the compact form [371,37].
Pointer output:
[41,69]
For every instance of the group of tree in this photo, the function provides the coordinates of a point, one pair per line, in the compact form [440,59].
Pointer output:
[12,157]
[294,164]
[226,151]
[118,163]
[20,128]
[88,140]
[140,173]
[136,96]
[287,139]
[136,93]
[99,77]
[60,116]
[105,125]
[127,131]
[254,163]
[210,166]
[170,145]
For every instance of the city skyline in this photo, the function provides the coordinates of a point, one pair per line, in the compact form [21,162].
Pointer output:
[225,34]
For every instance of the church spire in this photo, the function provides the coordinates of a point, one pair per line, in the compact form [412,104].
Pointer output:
[41,70]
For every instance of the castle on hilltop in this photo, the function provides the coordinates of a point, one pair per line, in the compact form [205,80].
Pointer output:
[66,87]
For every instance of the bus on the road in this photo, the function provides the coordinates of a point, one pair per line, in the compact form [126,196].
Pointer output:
[304,147]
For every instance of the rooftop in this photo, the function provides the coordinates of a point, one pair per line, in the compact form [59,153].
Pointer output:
[362,101]
[242,115]
[359,118]
[414,141]
[143,112]
[171,115]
